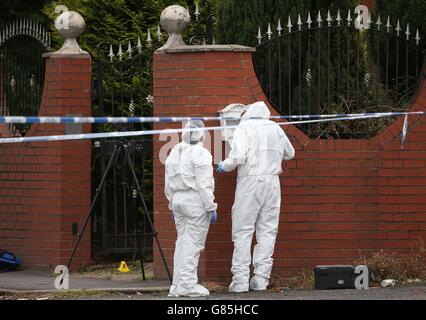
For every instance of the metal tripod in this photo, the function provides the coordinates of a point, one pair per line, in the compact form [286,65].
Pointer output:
[122,145]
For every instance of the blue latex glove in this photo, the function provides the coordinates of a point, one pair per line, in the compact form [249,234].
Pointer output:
[219,168]
[213,216]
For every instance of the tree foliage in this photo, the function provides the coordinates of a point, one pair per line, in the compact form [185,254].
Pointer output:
[408,11]
[17,9]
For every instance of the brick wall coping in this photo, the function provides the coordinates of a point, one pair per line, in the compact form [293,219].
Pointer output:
[209,48]
[77,55]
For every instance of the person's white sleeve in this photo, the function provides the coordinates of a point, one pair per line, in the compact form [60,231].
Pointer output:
[168,192]
[238,153]
[202,160]
[289,152]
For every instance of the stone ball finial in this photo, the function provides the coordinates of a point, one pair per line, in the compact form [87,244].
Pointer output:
[174,20]
[70,25]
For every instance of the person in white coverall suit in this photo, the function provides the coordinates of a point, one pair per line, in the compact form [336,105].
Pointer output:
[258,148]
[189,187]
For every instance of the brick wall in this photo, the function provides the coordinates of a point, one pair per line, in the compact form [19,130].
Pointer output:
[340,198]
[369,3]
[45,186]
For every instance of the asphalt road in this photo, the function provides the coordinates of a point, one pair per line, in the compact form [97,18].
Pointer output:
[396,293]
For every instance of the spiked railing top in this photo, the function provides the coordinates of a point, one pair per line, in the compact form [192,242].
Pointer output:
[149,37]
[338,18]
[269,32]
[159,32]
[378,22]
[365,22]
[279,29]
[309,20]
[26,27]
[130,49]
[329,20]
[197,11]
[259,35]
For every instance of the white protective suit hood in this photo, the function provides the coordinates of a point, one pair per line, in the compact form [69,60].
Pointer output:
[257,110]
[193,136]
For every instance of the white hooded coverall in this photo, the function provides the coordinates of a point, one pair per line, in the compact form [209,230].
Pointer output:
[258,148]
[189,186]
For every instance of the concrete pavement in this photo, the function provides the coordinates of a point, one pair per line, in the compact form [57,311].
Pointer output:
[43,280]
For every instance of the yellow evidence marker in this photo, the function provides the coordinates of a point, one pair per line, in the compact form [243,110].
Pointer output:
[123,267]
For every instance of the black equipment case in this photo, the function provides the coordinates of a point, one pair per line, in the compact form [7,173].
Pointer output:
[335,277]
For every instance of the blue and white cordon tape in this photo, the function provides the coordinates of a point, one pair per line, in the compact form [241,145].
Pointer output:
[316,119]
[21,119]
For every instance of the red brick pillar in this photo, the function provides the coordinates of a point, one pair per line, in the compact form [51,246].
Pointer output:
[45,186]
[369,3]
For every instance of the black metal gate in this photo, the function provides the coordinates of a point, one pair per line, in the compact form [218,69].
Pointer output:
[22,44]
[122,87]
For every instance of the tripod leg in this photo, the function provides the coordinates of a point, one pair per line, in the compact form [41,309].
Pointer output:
[138,188]
[138,240]
[89,214]
[133,209]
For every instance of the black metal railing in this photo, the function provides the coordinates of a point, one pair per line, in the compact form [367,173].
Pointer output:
[340,66]
[22,44]
[203,24]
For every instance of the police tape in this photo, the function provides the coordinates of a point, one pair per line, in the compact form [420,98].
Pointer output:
[70,119]
[122,134]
